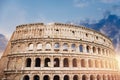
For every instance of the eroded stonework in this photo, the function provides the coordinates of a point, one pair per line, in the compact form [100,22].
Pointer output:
[58,52]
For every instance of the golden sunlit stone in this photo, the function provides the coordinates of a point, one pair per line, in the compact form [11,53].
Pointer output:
[58,52]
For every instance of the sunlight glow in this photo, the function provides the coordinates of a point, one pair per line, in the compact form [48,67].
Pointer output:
[118,59]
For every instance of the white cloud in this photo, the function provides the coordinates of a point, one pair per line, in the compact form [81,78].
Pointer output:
[110,1]
[81,3]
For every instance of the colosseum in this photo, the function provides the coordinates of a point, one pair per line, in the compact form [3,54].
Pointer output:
[57,51]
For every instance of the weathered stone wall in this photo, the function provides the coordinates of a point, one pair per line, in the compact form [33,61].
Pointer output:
[58,51]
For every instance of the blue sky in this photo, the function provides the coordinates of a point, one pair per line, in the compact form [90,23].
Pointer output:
[15,12]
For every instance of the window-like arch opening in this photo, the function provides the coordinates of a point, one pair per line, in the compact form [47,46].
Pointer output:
[74,62]
[90,63]
[84,77]
[36,77]
[56,62]
[83,63]
[98,77]
[46,77]
[56,77]
[48,46]
[81,48]
[108,77]
[75,77]
[92,77]
[73,47]
[96,64]
[66,62]
[37,62]
[30,47]
[47,62]
[26,77]
[66,77]
[99,51]
[103,51]
[39,46]
[65,47]
[94,50]
[28,62]
[88,49]
[56,46]
[104,77]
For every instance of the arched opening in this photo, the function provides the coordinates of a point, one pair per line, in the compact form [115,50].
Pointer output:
[48,46]
[66,62]
[88,49]
[39,46]
[30,47]
[47,62]
[73,47]
[56,46]
[81,48]
[96,64]
[56,77]
[66,77]
[98,77]
[83,63]
[90,63]
[75,77]
[28,62]
[56,62]
[74,62]
[99,51]
[92,77]
[26,77]
[65,47]
[36,77]
[84,77]
[46,77]
[104,77]
[108,77]
[94,50]
[37,62]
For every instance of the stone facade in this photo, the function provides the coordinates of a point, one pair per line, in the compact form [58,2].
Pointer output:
[58,52]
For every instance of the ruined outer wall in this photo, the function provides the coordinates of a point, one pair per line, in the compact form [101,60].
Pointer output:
[97,49]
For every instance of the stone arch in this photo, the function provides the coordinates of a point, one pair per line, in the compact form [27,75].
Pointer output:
[30,46]
[56,62]
[92,77]
[98,77]
[66,77]
[74,62]
[94,50]
[37,62]
[65,47]
[96,64]
[65,62]
[47,62]
[90,63]
[36,77]
[104,77]
[39,46]
[26,77]
[73,47]
[75,77]
[88,49]
[108,77]
[99,51]
[28,62]
[83,63]
[84,77]
[81,48]
[48,46]
[56,45]
[46,77]
[56,77]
